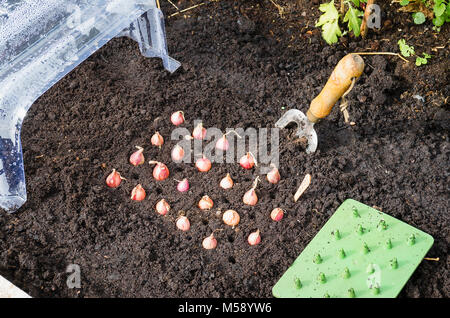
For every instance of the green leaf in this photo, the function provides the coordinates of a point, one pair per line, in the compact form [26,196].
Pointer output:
[439,9]
[404,2]
[405,49]
[356,3]
[330,32]
[418,17]
[354,22]
[329,21]
[420,61]
[330,13]
[439,21]
[437,29]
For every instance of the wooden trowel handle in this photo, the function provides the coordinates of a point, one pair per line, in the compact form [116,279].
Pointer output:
[350,66]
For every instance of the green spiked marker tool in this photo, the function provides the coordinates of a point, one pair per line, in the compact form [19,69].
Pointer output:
[298,283]
[346,273]
[360,252]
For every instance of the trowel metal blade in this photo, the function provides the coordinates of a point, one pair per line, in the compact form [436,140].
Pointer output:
[305,127]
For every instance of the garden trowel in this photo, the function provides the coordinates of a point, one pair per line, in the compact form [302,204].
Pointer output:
[349,67]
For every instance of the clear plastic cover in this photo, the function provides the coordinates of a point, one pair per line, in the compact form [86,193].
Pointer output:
[43,40]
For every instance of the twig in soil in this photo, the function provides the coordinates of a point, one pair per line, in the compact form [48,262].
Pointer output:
[187,9]
[437,47]
[382,53]
[303,186]
[367,11]
[370,65]
[173,5]
[436,259]
[279,8]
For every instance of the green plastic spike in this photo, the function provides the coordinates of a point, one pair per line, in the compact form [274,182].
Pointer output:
[355,212]
[365,248]
[322,279]
[360,229]
[351,293]
[346,273]
[411,239]
[388,244]
[375,290]
[380,255]
[382,225]
[370,269]
[298,283]
[337,235]
[317,259]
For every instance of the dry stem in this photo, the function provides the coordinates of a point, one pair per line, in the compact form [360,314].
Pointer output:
[187,9]
[367,12]
[344,103]
[382,53]
[173,5]
[303,186]
[279,8]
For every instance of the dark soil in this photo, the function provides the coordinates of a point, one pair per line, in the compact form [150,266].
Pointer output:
[243,66]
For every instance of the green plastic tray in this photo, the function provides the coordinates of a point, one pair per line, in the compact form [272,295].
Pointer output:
[359,252]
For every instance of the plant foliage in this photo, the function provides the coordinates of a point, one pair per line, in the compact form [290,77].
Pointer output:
[329,20]
[408,50]
[439,10]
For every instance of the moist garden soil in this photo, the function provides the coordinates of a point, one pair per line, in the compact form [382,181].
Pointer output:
[243,65]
